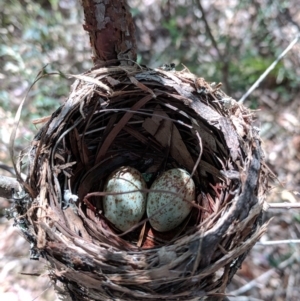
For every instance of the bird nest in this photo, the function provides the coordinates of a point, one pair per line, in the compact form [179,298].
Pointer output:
[152,120]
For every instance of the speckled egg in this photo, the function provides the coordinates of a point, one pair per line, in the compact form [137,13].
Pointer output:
[173,207]
[124,210]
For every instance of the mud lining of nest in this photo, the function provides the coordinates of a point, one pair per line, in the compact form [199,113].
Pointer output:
[152,120]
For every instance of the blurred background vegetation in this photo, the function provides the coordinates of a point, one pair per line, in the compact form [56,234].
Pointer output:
[232,42]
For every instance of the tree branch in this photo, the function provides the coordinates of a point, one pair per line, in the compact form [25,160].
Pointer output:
[208,30]
[7,184]
[269,69]
[111,30]
[222,58]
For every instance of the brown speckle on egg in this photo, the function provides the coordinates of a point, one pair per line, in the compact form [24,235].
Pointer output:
[167,210]
[124,210]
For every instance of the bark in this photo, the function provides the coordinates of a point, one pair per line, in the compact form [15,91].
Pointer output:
[111,30]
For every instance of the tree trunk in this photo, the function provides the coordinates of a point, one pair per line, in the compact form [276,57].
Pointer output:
[111,30]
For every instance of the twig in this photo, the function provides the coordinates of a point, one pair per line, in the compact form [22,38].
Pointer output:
[207,27]
[278,242]
[222,58]
[284,205]
[263,277]
[244,298]
[271,67]
[42,73]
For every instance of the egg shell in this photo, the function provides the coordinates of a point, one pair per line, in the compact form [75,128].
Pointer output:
[173,207]
[124,210]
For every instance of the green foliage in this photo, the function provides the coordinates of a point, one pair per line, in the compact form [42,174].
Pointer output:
[230,43]
[297,218]
[277,258]
[39,33]
[35,34]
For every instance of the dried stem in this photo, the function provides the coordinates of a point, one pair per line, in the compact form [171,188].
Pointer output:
[279,242]
[263,277]
[283,205]
[223,59]
[208,29]
[271,67]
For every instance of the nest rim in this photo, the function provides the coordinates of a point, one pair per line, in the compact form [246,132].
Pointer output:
[134,94]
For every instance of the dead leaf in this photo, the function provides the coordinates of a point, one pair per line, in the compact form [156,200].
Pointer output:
[113,82]
[166,133]
[41,120]
[142,86]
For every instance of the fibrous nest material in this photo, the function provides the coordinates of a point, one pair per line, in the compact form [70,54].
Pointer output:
[152,120]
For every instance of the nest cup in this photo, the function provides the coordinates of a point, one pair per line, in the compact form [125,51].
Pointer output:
[152,120]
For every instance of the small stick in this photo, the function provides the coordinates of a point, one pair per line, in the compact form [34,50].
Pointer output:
[263,277]
[284,205]
[271,67]
[278,242]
